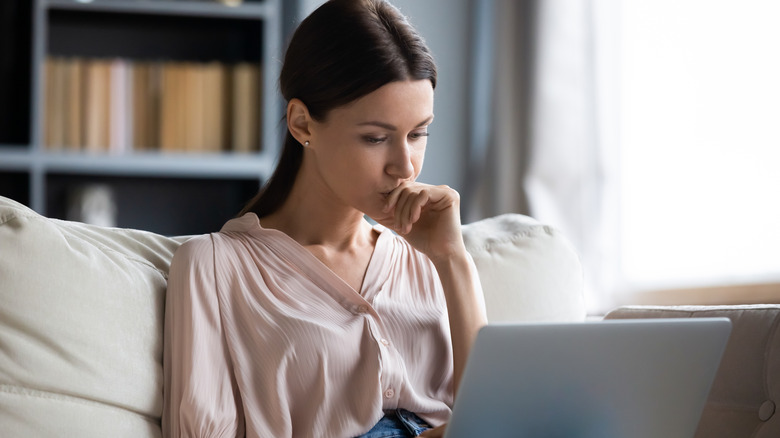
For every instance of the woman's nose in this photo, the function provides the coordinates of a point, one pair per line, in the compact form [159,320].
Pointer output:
[400,164]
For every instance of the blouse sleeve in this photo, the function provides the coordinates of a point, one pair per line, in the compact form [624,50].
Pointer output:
[201,398]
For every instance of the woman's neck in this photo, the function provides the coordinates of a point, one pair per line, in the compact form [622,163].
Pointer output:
[335,234]
[314,218]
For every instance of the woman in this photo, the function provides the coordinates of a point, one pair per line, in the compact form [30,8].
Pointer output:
[299,318]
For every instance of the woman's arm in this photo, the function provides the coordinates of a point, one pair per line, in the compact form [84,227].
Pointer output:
[465,307]
[200,394]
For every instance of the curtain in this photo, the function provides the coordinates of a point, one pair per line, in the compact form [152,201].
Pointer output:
[540,143]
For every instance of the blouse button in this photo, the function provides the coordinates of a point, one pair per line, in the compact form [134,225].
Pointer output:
[389,393]
[384,342]
[766,411]
[362,308]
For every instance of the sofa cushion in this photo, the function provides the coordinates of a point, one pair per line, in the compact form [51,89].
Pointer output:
[81,318]
[529,271]
[745,394]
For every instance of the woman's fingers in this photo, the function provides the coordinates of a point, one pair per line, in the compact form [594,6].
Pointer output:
[401,210]
[427,216]
[392,197]
[409,208]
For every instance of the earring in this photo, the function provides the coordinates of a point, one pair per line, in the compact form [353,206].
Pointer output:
[306,143]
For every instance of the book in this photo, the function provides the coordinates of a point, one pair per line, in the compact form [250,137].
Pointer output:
[120,113]
[169,107]
[214,107]
[55,82]
[245,107]
[147,114]
[74,96]
[140,72]
[96,105]
[194,123]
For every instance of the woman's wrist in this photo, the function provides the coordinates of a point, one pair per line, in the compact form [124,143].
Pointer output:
[453,261]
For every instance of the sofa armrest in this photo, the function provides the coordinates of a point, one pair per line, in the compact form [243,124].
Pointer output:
[746,390]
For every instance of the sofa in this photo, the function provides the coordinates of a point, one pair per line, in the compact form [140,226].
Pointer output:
[81,317]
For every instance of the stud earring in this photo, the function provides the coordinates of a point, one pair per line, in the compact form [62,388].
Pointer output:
[306,143]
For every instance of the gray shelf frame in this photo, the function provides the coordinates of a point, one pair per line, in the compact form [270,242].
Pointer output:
[152,164]
[265,10]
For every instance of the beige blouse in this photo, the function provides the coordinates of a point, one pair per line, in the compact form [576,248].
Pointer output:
[263,340]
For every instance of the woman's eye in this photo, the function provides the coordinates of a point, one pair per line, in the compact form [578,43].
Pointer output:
[418,135]
[374,140]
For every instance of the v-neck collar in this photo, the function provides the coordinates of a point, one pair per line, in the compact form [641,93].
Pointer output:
[376,275]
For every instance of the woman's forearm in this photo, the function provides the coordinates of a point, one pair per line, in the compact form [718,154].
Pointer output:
[465,305]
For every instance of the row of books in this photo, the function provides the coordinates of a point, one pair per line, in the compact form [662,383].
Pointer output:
[121,105]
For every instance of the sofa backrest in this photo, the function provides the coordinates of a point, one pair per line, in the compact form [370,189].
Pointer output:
[81,311]
[81,314]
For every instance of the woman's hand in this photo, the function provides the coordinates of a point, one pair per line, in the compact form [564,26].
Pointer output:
[436,432]
[428,217]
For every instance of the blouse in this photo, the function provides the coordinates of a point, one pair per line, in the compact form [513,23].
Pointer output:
[262,339]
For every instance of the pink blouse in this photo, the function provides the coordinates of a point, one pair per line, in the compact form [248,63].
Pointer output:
[263,340]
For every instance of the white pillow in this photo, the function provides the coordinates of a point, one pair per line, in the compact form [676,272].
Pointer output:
[80,327]
[529,271]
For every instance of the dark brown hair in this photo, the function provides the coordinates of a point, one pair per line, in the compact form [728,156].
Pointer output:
[342,51]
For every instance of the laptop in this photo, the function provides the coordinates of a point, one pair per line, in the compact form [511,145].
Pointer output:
[641,378]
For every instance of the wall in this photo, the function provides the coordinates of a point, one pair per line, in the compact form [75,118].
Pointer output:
[445,26]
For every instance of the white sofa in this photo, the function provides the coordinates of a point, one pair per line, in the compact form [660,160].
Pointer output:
[81,314]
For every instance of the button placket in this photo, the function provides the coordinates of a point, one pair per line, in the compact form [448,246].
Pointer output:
[390,379]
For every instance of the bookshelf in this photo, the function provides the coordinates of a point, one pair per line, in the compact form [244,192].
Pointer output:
[170,105]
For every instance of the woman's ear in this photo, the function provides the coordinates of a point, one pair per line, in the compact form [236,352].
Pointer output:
[299,121]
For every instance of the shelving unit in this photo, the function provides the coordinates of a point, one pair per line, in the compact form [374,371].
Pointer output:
[171,192]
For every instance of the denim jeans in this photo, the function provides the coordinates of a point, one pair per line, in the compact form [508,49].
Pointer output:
[399,423]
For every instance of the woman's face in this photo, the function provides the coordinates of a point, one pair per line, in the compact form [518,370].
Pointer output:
[367,148]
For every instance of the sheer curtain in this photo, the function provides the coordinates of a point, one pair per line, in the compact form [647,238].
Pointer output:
[545,152]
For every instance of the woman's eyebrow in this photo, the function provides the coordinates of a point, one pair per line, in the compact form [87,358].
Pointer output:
[390,127]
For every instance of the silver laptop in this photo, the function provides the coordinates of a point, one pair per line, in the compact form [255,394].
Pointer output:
[643,378]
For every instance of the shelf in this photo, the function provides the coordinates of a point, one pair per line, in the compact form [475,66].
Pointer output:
[155,164]
[172,206]
[15,158]
[197,8]
[149,35]
[162,189]
[225,165]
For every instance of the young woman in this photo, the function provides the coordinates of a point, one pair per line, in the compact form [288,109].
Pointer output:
[301,319]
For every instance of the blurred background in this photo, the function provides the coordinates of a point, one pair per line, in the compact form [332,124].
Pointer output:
[646,131]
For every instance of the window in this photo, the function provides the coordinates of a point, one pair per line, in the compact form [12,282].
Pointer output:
[700,142]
